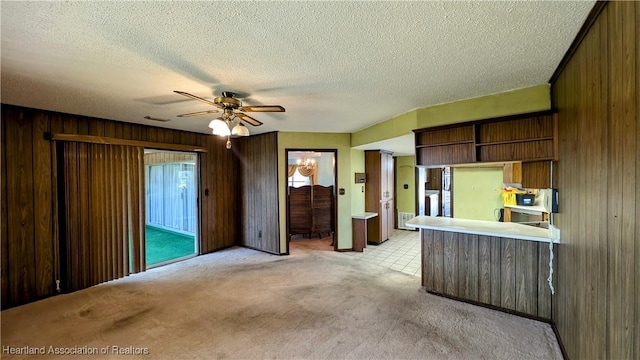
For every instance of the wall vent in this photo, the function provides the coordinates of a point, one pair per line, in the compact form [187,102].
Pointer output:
[403,217]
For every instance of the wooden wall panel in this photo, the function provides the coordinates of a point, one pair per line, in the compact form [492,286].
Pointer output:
[621,176]
[484,269]
[527,277]
[4,240]
[544,305]
[507,273]
[438,262]
[428,258]
[19,196]
[221,206]
[496,291]
[450,263]
[29,203]
[597,97]
[468,266]
[636,335]
[536,175]
[203,196]
[259,194]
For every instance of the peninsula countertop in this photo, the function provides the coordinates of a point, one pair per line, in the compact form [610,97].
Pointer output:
[487,228]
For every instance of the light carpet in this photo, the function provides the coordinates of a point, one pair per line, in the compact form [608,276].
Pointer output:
[244,304]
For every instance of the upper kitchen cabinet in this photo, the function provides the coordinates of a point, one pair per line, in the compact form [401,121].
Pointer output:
[525,137]
[445,145]
[532,138]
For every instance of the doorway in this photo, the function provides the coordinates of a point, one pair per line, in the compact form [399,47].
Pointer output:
[435,191]
[311,198]
[171,220]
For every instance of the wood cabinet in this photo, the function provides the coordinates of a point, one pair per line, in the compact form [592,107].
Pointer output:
[311,210]
[379,194]
[446,146]
[507,273]
[526,137]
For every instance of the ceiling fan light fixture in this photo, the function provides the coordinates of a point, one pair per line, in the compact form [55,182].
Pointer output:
[219,127]
[240,130]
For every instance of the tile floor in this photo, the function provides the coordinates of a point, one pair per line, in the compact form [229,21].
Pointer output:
[401,252]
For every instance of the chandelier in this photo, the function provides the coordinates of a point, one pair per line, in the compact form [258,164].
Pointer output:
[224,126]
[306,164]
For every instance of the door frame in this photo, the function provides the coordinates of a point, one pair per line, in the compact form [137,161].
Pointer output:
[196,180]
[335,188]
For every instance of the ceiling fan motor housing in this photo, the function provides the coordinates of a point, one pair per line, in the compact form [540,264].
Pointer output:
[227,101]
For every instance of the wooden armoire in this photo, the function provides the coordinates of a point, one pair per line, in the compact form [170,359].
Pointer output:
[379,190]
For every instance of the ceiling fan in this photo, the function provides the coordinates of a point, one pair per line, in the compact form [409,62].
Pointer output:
[232,110]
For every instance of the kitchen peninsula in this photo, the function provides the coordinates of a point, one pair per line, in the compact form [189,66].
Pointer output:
[501,265]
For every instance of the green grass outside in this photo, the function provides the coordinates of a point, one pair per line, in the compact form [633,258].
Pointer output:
[163,245]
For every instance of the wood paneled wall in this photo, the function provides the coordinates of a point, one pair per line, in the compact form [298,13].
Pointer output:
[257,158]
[502,272]
[28,227]
[536,174]
[597,94]
[220,207]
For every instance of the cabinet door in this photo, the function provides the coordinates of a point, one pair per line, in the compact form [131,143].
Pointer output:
[386,168]
[384,223]
[391,218]
[390,178]
[384,182]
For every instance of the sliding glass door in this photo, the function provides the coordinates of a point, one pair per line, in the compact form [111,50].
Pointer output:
[171,206]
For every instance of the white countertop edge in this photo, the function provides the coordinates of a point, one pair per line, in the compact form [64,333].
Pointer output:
[364,216]
[504,233]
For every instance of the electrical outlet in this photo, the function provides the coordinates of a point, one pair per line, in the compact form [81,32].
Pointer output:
[259,234]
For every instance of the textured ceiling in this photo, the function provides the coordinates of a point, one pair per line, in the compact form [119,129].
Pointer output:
[334,66]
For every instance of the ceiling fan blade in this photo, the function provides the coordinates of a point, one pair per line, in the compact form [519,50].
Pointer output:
[263,108]
[199,113]
[195,97]
[248,119]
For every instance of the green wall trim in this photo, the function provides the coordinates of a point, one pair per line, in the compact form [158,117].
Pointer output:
[394,127]
[512,102]
[520,101]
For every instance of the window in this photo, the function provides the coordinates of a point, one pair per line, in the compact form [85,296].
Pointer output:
[298,180]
